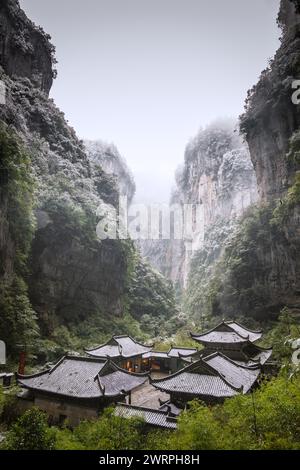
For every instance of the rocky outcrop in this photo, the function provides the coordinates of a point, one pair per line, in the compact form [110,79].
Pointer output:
[271,126]
[259,271]
[71,275]
[271,118]
[108,157]
[217,175]
[219,179]
[25,50]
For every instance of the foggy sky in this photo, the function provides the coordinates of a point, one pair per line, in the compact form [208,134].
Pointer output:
[146,74]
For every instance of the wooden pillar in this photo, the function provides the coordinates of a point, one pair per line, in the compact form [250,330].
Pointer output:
[22,363]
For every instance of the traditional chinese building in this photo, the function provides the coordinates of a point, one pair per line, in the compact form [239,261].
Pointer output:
[78,388]
[211,380]
[235,341]
[124,350]
[162,418]
[170,361]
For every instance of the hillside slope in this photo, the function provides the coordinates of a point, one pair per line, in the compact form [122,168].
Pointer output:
[50,192]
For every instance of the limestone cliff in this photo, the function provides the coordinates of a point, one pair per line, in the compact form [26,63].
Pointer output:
[25,50]
[71,276]
[271,126]
[271,118]
[218,177]
[108,157]
[259,271]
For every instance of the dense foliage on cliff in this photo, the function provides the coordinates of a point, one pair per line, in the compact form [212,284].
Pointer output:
[82,290]
[18,323]
[52,263]
[218,179]
[151,298]
[241,280]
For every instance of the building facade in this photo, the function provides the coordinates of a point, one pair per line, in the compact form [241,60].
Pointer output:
[124,351]
[78,388]
[211,379]
[235,341]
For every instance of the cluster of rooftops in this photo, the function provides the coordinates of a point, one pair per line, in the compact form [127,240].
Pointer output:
[229,363]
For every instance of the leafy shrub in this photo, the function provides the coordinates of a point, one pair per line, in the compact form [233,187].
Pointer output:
[109,432]
[30,432]
[18,320]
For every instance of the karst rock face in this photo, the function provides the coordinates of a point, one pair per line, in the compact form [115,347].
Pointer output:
[247,266]
[218,178]
[271,117]
[258,269]
[271,126]
[25,50]
[71,273]
[108,157]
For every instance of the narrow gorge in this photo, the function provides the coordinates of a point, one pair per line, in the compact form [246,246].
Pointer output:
[58,281]
[144,307]
[243,261]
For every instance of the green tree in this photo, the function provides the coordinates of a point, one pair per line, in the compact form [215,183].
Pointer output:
[197,430]
[31,432]
[267,419]
[18,320]
[282,335]
[109,432]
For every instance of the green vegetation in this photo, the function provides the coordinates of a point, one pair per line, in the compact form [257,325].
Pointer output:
[19,195]
[146,291]
[281,337]
[109,432]
[293,155]
[151,299]
[18,320]
[93,331]
[30,432]
[239,282]
[236,282]
[284,209]
[268,419]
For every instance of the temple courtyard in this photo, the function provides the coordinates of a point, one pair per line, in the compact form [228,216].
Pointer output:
[153,385]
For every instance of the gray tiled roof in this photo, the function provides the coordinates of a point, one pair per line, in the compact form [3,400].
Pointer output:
[81,377]
[119,346]
[185,352]
[119,380]
[190,383]
[249,354]
[6,375]
[152,417]
[158,354]
[262,356]
[215,376]
[228,332]
[257,354]
[169,407]
[173,352]
[237,375]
